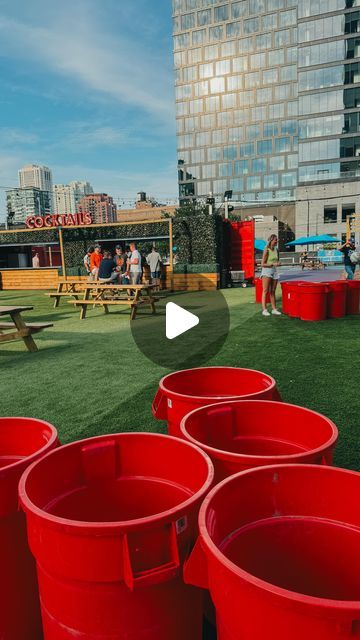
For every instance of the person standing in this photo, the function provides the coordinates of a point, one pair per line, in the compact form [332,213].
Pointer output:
[134,265]
[95,261]
[270,275]
[347,249]
[154,262]
[36,261]
[86,260]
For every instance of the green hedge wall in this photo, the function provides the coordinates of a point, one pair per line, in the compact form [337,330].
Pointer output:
[197,268]
[77,241]
[198,239]
[26,237]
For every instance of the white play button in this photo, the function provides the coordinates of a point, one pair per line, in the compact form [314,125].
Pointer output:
[178,320]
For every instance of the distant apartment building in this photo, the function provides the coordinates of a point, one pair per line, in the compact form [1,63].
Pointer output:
[99,206]
[68,196]
[34,175]
[28,201]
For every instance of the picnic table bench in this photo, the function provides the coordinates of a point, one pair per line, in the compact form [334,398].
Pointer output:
[23,330]
[69,288]
[107,295]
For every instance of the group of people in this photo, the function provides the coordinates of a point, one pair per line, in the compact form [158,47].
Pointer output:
[271,261]
[124,267]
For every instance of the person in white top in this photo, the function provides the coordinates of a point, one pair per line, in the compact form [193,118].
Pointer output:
[134,265]
[36,261]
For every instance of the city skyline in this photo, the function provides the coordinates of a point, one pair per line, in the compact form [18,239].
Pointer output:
[88,94]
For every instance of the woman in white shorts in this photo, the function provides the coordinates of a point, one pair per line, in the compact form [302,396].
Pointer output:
[270,275]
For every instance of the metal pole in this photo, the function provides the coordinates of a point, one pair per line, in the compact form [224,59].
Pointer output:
[226,210]
[62,253]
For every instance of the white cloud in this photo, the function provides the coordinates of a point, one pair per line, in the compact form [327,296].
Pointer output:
[10,136]
[83,51]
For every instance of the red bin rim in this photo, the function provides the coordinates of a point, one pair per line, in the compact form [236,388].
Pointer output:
[32,458]
[210,399]
[296,598]
[240,456]
[81,526]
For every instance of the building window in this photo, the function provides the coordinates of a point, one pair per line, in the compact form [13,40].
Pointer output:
[347,210]
[330,215]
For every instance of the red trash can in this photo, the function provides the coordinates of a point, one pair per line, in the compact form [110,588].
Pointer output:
[293,298]
[259,290]
[242,434]
[313,301]
[285,294]
[279,552]
[336,307]
[22,440]
[182,391]
[110,522]
[353,297]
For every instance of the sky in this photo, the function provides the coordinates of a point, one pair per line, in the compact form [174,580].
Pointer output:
[87,89]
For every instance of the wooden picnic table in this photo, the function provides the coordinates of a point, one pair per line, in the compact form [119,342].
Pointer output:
[69,288]
[110,294]
[24,330]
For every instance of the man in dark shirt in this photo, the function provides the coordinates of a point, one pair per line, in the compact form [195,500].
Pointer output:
[347,249]
[106,269]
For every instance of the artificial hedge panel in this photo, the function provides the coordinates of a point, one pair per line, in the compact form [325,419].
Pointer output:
[77,241]
[21,237]
[198,239]
[196,268]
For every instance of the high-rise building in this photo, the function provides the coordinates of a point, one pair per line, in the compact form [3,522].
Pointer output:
[99,206]
[29,201]
[33,175]
[267,96]
[67,196]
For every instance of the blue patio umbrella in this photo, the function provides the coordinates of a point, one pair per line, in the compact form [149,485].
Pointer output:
[322,239]
[259,245]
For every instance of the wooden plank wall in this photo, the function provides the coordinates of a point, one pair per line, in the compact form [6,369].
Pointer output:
[43,279]
[28,279]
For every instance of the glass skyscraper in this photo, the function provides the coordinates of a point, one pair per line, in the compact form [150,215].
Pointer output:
[267,95]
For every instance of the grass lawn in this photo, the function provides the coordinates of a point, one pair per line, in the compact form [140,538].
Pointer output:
[89,378]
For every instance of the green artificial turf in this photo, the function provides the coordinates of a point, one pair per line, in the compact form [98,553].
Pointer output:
[89,377]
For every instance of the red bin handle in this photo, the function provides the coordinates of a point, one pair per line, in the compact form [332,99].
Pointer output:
[195,567]
[139,578]
[159,408]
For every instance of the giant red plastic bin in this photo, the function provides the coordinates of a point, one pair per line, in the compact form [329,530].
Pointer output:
[293,299]
[242,434]
[353,297]
[279,552]
[110,522]
[182,391]
[22,440]
[337,290]
[313,301]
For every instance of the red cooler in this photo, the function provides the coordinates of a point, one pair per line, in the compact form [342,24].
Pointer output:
[353,297]
[313,301]
[336,307]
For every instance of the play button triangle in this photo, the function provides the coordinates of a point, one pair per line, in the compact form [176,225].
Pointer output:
[178,320]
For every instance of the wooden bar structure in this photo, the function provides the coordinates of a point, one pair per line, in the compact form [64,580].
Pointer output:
[48,278]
